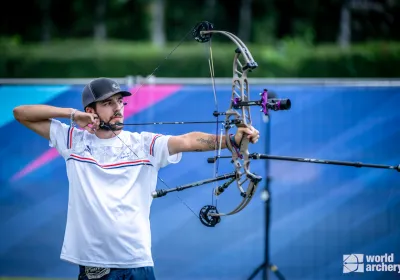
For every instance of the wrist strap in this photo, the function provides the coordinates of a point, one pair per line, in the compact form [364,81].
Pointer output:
[234,145]
[72,118]
[233,141]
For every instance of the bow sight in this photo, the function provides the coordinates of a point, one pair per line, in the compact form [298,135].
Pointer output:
[274,104]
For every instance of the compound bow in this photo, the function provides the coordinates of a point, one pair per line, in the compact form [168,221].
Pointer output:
[238,114]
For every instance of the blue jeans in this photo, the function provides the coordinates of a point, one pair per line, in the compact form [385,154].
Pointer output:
[98,273]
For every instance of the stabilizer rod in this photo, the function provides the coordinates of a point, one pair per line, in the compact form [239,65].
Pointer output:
[313,160]
[163,192]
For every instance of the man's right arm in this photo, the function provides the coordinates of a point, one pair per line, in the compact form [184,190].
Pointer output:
[37,117]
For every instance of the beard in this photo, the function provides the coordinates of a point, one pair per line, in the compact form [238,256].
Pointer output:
[115,123]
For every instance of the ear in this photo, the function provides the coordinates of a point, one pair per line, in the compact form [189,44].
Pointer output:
[89,110]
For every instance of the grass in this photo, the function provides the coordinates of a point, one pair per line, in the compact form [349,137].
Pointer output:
[72,49]
[287,58]
[284,51]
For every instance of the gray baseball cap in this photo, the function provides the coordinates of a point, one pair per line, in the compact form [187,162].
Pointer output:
[100,89]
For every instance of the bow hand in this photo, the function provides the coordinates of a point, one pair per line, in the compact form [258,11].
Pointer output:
[248,132]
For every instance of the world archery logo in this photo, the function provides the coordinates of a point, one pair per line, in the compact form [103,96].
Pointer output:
[353,263]
[370,263]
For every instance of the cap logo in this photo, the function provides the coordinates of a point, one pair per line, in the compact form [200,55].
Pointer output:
[115,86]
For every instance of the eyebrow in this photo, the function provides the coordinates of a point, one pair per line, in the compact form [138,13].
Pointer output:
[109,99]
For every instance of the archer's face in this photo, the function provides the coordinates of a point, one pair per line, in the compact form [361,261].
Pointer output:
[111,110]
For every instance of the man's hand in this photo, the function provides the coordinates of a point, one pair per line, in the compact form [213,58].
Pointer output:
[88,121]
[250,132]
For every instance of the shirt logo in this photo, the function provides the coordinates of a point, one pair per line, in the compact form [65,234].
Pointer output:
[87,149]
[126,154]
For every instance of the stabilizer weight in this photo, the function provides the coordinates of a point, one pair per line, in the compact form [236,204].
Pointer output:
[159,193]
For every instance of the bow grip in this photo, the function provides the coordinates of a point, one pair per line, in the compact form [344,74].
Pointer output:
[244,147]
[244,143]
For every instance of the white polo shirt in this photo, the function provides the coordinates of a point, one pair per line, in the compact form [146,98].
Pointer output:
[109,194]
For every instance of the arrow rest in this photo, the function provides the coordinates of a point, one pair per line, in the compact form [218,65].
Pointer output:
[202,26]
[206,219]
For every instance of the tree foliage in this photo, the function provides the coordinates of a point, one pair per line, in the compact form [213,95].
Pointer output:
[318,21]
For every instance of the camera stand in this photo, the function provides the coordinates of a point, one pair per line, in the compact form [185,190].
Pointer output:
[266,197]
[266,265]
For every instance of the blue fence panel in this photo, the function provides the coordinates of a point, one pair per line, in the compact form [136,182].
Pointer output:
[318,212]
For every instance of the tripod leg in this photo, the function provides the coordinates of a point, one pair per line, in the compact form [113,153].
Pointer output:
[266,196]
[272,267]
[256,271]
[275,270]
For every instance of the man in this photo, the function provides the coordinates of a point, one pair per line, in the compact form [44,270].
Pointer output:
[111,175]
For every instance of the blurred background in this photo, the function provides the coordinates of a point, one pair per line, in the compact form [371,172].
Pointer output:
[337,60]
[290,38]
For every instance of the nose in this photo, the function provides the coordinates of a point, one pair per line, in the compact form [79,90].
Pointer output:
[118,106]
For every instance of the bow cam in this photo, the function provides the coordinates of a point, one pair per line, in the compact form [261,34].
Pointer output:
[199,33]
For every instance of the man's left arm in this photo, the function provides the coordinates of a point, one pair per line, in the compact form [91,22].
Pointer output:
[202,142]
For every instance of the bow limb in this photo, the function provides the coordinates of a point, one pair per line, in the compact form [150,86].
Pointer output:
[250,63]
[247,196]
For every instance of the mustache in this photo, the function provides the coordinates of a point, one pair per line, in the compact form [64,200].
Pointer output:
[117,115]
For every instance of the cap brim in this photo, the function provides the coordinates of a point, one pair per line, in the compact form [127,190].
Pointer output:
[124,93]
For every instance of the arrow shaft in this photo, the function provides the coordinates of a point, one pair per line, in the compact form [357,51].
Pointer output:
[160,123]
